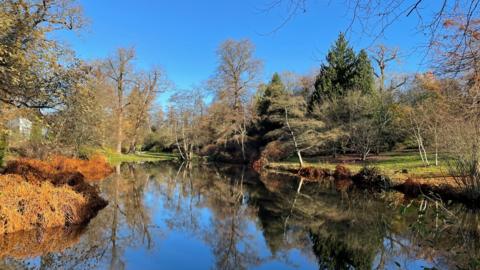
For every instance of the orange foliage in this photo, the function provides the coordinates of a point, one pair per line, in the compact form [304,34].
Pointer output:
[27,206]
[96,168]
[429,82]
[39,194]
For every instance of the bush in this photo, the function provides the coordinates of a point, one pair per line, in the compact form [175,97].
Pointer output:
[38,194]
[96,168]
[466,172]
[276,151]
[27,206]
[371,178]
[231,152]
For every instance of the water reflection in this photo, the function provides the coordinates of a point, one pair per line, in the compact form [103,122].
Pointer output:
[197,217]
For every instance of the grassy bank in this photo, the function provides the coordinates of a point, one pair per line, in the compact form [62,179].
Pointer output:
[399,166]
[115,158]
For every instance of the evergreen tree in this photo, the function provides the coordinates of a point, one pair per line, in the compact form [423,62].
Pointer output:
[363,80]
[343,71]
[337,76]
[272,92]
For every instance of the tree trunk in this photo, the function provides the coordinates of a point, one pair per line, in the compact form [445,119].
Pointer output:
[186,147]
[119,130]
[297,150]
[424,153]
[421,148]
[365,154]
[300,159]
[177,143]
[133,146]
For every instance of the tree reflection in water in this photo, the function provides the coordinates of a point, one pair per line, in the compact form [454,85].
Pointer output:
[167,213]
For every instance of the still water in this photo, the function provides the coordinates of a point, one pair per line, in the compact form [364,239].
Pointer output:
[170,216]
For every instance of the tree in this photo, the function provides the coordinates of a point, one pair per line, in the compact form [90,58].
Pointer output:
[36,71]
[236,76]
[382,56]
[343,72]
[427,114]
[336,76]
[286,125]
[187,117]
[273,91]
[81,121]
[119,70]
[237,72]
[364,78]
[141,100]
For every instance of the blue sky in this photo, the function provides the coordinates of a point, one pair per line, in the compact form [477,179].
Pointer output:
[182,36]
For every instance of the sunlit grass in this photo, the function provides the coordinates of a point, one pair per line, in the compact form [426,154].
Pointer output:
[115,158]
[400,164]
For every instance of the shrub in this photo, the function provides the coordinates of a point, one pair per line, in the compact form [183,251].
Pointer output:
[39,194]
[96,168]
[371,178]
[466,172]
[276,151]
[26,206]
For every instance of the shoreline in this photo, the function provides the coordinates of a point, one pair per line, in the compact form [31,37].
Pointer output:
[444,188]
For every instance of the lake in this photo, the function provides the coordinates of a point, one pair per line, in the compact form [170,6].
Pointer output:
[172,216]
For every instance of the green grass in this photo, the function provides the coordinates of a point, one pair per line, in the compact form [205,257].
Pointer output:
[392,164]
[115,158]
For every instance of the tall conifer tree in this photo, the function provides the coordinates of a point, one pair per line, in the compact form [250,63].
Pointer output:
[344,71]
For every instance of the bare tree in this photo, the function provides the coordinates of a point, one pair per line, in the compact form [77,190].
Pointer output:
[119,70]
[237,72]
[149,85]
[418,130]
[236,76]
[188,116]
[382,55]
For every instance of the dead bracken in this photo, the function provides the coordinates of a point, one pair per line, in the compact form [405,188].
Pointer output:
[38,194]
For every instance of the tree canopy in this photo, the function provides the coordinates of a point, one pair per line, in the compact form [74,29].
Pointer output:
[343,71]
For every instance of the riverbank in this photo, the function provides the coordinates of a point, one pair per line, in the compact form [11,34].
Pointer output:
[115,158]
[36,194]
[398,166]
[403,172]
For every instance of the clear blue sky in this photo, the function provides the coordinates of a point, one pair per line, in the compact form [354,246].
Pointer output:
[182,35]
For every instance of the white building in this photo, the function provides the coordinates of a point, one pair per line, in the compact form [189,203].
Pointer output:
[21,125]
